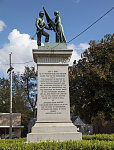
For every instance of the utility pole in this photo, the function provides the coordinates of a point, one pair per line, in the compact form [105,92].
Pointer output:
[10,69]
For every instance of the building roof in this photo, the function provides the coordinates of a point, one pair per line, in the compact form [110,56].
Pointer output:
[9,113]
[79,122]
[12,126]
[5,120]
[76,120]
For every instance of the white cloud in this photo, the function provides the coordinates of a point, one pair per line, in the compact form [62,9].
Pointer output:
[82,46]
[76,1]
[21,47]
[75,55]
[2,25]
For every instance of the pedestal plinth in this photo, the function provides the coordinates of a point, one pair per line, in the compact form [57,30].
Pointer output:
[53,104]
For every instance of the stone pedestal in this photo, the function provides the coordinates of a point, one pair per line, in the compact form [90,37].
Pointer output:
[53,104]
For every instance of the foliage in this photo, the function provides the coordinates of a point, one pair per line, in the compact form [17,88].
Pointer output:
[105,137]
[29,82]
[19,144]
[91,81]
[20,102]
[101,125]
[4,95]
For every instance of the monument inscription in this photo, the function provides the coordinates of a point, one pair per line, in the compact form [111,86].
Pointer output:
[53,92]
[52,85]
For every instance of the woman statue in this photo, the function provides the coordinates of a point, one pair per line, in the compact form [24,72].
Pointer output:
[60,37]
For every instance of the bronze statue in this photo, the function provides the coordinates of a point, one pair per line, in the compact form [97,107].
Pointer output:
[51,25]
[60,37]
[40,25]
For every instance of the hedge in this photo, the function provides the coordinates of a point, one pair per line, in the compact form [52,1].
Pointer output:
[68,145]
[106,137]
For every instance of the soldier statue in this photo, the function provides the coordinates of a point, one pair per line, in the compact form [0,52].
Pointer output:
[40,25]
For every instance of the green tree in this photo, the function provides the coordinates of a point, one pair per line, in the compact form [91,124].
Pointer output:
[91,80]
[29,82]
[20,102]
[4,95]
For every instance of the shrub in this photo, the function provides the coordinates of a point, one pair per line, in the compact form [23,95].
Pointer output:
[19,144]
[105,137]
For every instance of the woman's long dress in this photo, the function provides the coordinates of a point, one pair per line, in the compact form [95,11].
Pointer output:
[60,37]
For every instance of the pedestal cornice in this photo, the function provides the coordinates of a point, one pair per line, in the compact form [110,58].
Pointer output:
[55,56]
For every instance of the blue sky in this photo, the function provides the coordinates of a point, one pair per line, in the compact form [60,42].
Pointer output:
[19,18]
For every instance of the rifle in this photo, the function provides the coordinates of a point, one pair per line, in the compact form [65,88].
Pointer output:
[43,28]
[34,36]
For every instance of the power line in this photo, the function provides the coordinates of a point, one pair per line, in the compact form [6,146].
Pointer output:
[23,62]
[90,25]
[19,63]
[87,27]
[4,64]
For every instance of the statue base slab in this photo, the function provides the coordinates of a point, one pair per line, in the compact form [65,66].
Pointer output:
[52,46]
[53,131]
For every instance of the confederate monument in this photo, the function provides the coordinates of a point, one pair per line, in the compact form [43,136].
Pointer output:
[53,103]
